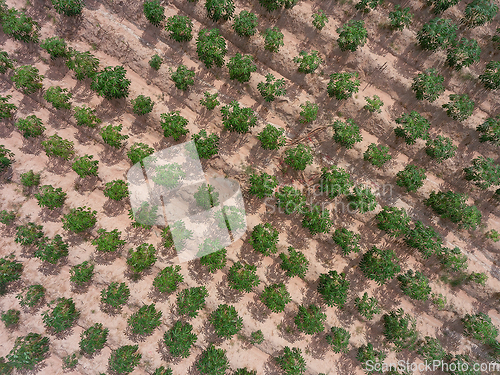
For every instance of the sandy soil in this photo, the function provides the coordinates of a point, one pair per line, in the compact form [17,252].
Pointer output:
[118,34]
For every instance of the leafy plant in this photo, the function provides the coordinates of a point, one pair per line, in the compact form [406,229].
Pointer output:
[213,361]
[490,130]
[238,119]
[191,300]
[400,329]
[108,241]
[484,172]
[142,258]
[124,359]
[142,105]
[333,287]
[154,11]
[347,240]
[206,197]
[400,17]
[295,263]
[309,112]
[245,24]
[411,177]
[452,259]
[6,109]
[70,361]
[320,19]
[463,53]
[215,260]
[346,133]
[84,166]
[32,295]
[452,206]
[211,48]
[379,265]
[115,295]
[63,315]
[437,33]
[6,63]
[182,77]
[479,327]
[275,297]
[10,270]
[413,126]
[28,234]
[290,200]
[308,63]
[440,149]
[338,339]
[262,185]
[367,306]
[271,138]
[317,220]
[257,337]
[6,158]
[18,25]
[343,85]
[79,219]
[59,147]
[139,151]
[226,321]
[111,135]
[272,5]
[30,126]
[143,216]
[393,220]
[362,199]
[179,339]
[431,349]
[56,47]
[271,88]
[93,339]
[460,107]
[425,239]
[28,351]
[167,280]
[209,101]
[373,105]
[69,8]
[219,9]
[479,12]
[180,28]
[310,319]
[366,5]
[27,79]
[206,145]
[440,6]
[299,157]
[30,178]
[156,61]
[352,35]
[50,197]
[428,85]
[377,155]
[111,83]
[291,361]
[81,273]
[240,67]
[273,39]
[53,250]
[242,277]
[335,181]
[145,320]
[84,64]
[10,318]
[7,217]
[85,116]
[415,285]
[367,354]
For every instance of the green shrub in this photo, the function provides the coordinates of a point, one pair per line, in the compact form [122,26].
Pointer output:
[377,155]
[226,321]
[490,130]
[84,166]
[240,67]
[479,12]
[400,329]
[428,85]
[346,133]
[379,265]
[139,151]
[262,185]
[27,79]
[50,197]
[347,240]
[30,126]
[238,119]
[28,351]
[463,53]
[6,63]
[143,216]
[6,109]
[209,101]
[85,116]
[10,270]
[242,277]
[28,234]
[182,77]
[256,337]
[335,181]
[271,88]
[365,6]
[320,19]
[108,241]
[206,197]
[425,239]
[367,354]
[10,318]
[30,178]
[142,105]
[440,149]
[484,172]
[58,97]
[338,339]
[59,147]
[6,158]
[7,217]
[264,239]
[219,9]
[362,199]
[291,361]
[491,76]
[155,62]
[299,157]
[413,126]
[79,219]
[167,280]
[460,107]
[56,47]
[333,288]
[271,138]
[115,295]
[206,145]
[342,85]
[275,297]
[317,220]
[211,48]
[290,200]
[245,24]
[437,33]
[400,17]
[111,83]
[142,258]
[63,315]
[111,135]
[52,250]
[84,64]
[411,177]
[81,273]
[309,112]
[450,205]
[213,361]
[68,7]
[18,25]
[154,11]
[308,63]
[93,339]
[124,359]
[440,6]
[352,35]
[32,295]
[179,339]
[213,260]
[116,190]
[373,105]
[272,5]
[393,220]
[273,39]
[415,285]
[367,306]
[180,28]
[145,320]
[191,300]
[310,319]
[173,124]
[295,263]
